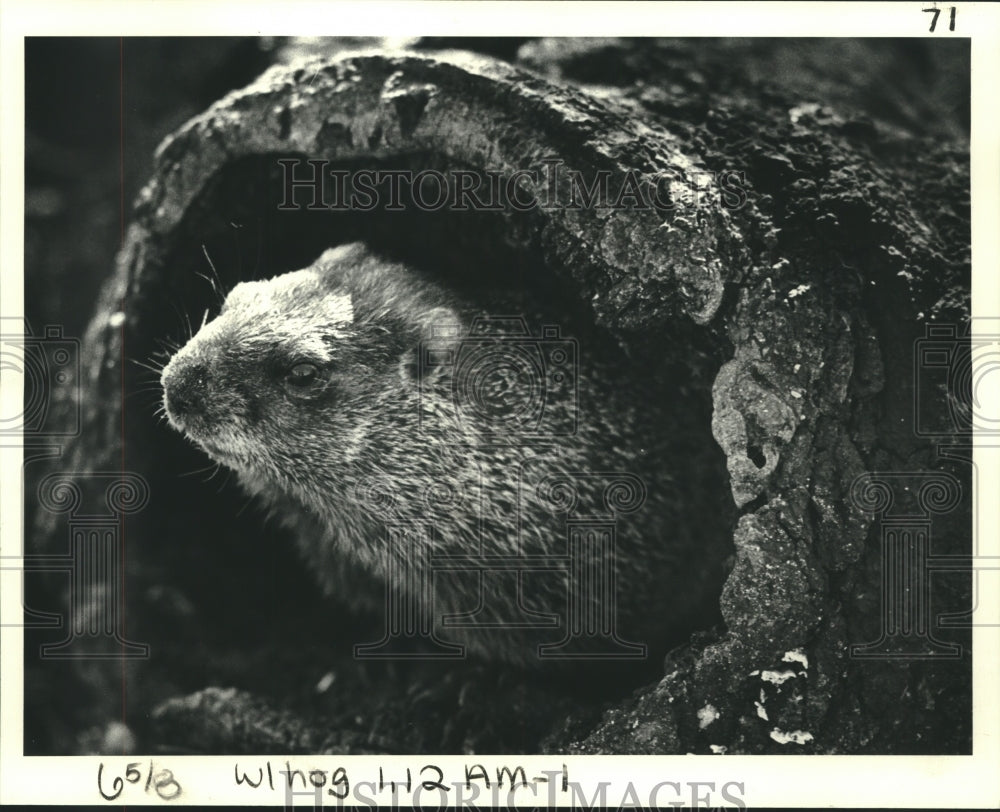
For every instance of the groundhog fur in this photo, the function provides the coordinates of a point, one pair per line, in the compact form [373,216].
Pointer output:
[351,398]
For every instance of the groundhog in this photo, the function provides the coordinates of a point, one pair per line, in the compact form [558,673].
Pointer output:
[520,498]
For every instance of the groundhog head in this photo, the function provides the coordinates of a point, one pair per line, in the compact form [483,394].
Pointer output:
[285,375]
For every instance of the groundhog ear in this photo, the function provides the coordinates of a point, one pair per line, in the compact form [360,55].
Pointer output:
[343,256]
[440,322]
[440,330]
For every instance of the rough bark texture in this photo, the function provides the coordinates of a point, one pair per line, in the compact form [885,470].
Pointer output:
[797,312]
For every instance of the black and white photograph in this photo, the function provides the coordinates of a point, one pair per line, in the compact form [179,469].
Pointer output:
[425,416]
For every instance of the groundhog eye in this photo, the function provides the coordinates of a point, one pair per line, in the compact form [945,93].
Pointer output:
[302,375]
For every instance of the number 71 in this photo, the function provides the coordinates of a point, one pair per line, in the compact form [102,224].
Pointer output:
[937,13]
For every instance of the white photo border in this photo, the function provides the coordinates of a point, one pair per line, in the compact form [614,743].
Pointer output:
[843,781]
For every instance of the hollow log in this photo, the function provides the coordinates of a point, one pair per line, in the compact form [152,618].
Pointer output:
[796,310]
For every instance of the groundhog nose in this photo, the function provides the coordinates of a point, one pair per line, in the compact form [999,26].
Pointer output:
[184,388]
